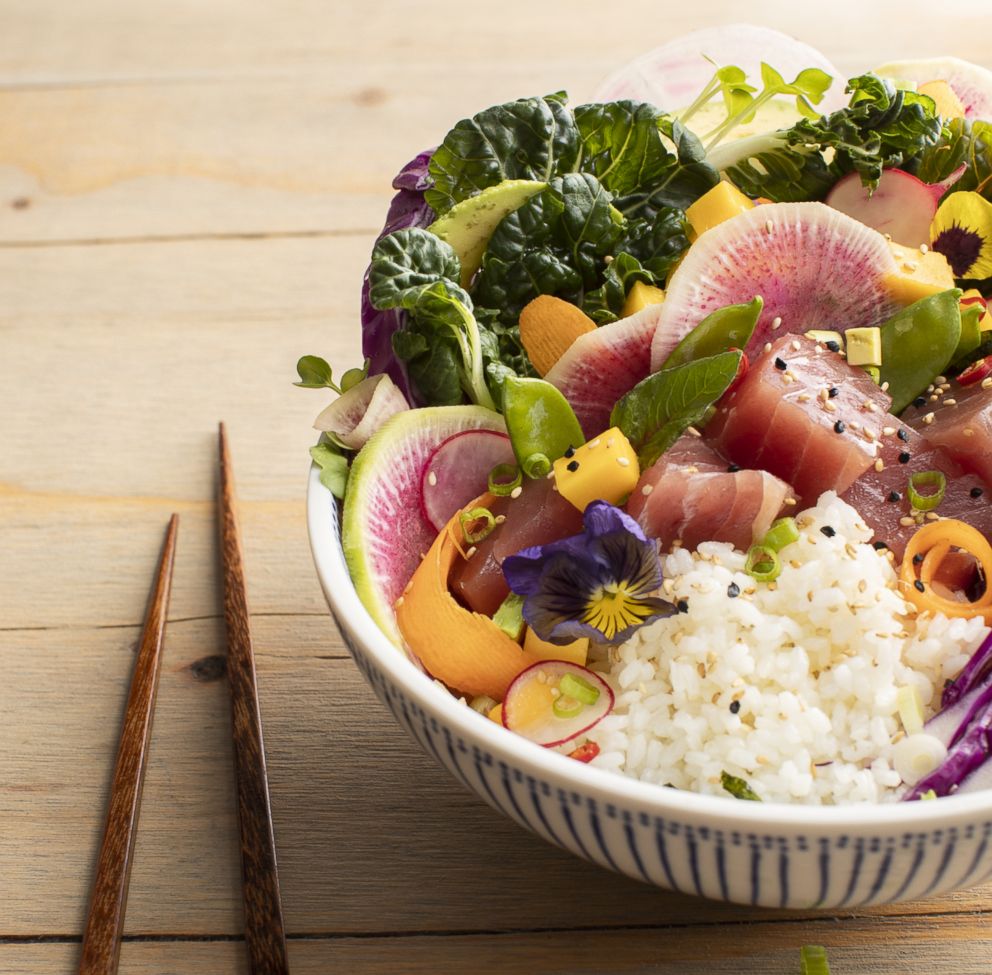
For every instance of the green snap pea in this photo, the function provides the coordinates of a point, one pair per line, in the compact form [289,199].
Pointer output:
[720,331]
[540,423]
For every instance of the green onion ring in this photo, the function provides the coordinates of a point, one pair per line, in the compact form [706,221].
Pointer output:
[763,563]
[783,532]
[503,478]
[579,688]
[926,502]
[537,465]
[566,707]
[466,518]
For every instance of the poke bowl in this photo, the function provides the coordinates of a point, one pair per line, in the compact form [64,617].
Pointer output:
[655,515]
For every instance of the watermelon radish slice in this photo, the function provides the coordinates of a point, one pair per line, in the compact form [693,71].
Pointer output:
[901,206]
[355,415]
[554,701]
[970,82]
[459,470]
[671,76]
[384,531]
[815,268]
[601,366]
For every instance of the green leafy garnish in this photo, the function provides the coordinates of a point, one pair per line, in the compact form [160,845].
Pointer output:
[605,303]
[659,409]
[738,787]
[962,143]
[315,373]
[333,466]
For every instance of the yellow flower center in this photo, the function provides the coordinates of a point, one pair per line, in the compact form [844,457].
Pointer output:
[613,608]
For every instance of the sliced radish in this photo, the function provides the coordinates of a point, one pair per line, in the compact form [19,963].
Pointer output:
[970,82]
[815,268]
[901,206]
[554,701]
[672,75]
[458,471]
[357,414]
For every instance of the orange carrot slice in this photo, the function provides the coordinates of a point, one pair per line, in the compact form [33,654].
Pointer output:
[466,650]
[548,326]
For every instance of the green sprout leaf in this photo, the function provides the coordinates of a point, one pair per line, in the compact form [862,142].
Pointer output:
[333,467]
[315,373]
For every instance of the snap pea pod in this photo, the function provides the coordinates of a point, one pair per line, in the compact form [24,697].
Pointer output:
[720,331]
[971,334]
[918,344]
[540,423]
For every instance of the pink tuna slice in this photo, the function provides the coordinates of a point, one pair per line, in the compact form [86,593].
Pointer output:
[603,365]
[778,420]
[671,76]
[458,471]
[880,497]
[970,82]
[815,268]
[901,206]
[690,495]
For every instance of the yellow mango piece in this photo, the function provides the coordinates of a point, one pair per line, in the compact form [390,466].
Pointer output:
[574,652]
[720,203]
[640,296]
[603,469]
[947,102]
[919,274]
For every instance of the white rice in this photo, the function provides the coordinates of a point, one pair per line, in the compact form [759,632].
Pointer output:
[815,660]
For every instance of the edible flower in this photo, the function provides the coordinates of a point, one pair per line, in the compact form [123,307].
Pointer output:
[962,231]
[598,584]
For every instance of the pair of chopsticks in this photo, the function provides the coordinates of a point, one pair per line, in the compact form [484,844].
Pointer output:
[264,930]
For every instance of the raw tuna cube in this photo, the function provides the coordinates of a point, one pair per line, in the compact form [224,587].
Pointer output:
[881,497]
[803,414]
[691,495]
[960,421]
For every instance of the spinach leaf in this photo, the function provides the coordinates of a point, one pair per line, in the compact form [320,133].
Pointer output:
[721,330]
[738,787]
[605,304]
[333,467]
[409,259]
[659,409]
[531,138]
[963,143]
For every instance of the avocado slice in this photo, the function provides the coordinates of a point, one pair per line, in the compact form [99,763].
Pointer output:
[468,225]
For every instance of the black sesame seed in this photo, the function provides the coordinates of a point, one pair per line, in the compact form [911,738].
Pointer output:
[878,546]
[832,392]
[682,605]
[780,363]
[828,531]
[904,457]
[733,590]
[832,345]
[839,427]
[976,492]
[919,586]
[573,465]
[895,496]
[903,436]
[918,558]
[732,469]
[570,452]
[920,401]
[735,706]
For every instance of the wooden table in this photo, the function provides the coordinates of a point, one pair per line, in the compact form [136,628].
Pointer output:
[189,190]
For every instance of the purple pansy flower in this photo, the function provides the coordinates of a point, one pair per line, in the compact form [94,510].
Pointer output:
[598,584]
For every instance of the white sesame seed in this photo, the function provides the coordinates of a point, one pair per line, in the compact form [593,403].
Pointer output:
[399,602]
[610,442]
[647,489]
[693,432]
[885,387]
[928,419]
[879,466]
[499,519]
[804,397]
[471,552]
[934,397]
[830,407]
[987,382]
[593,444]
[950,402]
[888,431]
[516,492]
[932,516]
[910,266]
[768,346]
[924,248]
[854,425]
[790,501]
[940,380]
[796,345]
[550,476]
[769,226]
[906,522]
[777,322]
[432,479]
[623,461]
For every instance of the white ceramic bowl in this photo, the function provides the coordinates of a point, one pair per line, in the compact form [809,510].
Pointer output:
[772,854]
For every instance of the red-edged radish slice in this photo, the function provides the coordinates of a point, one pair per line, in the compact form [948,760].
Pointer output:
[458,471]
[970,82]
[901,206]
[355,415]
[554,701]
[671,76]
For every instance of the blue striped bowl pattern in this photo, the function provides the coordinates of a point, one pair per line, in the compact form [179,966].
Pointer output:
[769,854]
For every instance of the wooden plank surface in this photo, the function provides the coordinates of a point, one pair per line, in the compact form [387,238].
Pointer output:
[188,192]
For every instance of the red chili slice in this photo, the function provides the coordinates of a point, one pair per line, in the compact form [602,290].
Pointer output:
[742,368]
[585,753]
[976,372]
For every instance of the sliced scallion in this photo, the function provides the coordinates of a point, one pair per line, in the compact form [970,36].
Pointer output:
[931,479]
[579,688]
[477,524]
[510,616]
[503,478]
[566,707]
[813,960]
[537,466]
[783,532]
[763,563]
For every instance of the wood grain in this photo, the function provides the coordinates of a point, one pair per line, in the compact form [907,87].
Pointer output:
[264,929]
[108,902]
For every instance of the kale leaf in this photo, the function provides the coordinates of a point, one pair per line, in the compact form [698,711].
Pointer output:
[966,144]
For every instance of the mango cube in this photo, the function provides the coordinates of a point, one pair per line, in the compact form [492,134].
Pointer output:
[640,296]
[720,203]
[604,469]
[574,652]
[864,346]
[919,274]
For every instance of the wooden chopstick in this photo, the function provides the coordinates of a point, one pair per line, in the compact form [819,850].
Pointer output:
[108,901]
[264,929]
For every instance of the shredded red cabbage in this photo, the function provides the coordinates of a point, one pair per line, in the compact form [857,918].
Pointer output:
[971,674]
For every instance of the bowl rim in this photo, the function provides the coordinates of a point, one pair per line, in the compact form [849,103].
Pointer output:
[607,787]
